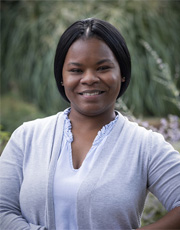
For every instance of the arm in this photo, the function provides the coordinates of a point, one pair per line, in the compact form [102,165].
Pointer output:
[11,177]
[170,221]
[164,181]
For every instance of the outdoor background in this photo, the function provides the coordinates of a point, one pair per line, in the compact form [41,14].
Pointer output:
[30,31]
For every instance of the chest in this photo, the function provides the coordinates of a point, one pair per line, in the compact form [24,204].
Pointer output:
[80,147]
[116,189]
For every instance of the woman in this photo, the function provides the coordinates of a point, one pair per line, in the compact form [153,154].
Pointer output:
[88,167]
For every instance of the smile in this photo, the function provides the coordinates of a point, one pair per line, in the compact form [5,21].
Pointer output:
[91,93]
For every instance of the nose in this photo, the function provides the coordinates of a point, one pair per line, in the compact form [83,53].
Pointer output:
[90,78]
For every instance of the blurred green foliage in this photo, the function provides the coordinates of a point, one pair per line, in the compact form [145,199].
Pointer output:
[4,137]
[153,210]
[17,112]
[31,30]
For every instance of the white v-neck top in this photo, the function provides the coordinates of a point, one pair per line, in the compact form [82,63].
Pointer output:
[132,162]
[67,180]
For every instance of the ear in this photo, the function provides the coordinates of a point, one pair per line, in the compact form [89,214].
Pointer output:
[62,83]
[123,79]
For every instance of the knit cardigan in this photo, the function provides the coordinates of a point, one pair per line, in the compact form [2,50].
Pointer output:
[133,162]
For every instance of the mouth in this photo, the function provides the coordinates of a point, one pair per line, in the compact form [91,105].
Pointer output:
[91,93]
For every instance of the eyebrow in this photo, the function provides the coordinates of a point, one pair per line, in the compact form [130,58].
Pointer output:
[98,63]
[74,63]
[104,60]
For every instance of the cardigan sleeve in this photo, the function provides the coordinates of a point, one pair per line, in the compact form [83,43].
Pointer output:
[164,171]
[11,177]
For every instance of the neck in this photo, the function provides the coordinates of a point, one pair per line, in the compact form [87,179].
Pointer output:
[81,121]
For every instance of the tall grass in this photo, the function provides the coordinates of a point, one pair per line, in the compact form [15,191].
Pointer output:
[31,30]
[164,78]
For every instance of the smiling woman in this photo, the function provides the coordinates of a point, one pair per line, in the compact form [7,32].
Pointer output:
[91,78]
[92,28]
[88,167]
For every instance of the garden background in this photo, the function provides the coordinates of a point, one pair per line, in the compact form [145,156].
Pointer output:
[30,31]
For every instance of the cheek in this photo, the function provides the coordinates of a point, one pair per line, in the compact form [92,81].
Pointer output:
[115,81]
[70,86]
[115,85]
[69,81]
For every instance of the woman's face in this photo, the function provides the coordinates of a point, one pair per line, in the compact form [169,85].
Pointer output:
[91,77]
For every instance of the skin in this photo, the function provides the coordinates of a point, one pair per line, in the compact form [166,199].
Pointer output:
[92,80]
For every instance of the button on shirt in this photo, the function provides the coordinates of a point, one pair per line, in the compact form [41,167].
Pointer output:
[67,180]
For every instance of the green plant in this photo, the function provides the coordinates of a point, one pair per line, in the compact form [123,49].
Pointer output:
[153,210]
[31,30]
[164,77]
[4,137]
[15,111]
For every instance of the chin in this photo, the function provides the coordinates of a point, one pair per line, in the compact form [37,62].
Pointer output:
[92,111]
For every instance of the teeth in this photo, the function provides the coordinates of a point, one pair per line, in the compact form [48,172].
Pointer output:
[91,94]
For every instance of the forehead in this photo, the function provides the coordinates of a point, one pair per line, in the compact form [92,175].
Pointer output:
[83,49]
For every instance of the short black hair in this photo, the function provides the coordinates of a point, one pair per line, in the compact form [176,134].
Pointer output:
[88,28]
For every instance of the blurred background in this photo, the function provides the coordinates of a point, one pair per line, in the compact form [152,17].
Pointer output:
[30,31]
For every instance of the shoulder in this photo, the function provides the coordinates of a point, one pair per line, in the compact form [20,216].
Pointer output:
[43,122]
[132,129]
[155,142]
[39,126]
[134,133]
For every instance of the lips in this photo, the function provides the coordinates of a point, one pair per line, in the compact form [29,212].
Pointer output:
[91,92]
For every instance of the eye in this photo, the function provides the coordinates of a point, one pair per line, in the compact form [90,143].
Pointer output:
[103,68]
[75,70]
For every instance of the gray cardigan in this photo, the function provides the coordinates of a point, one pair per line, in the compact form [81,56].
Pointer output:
[112,196]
